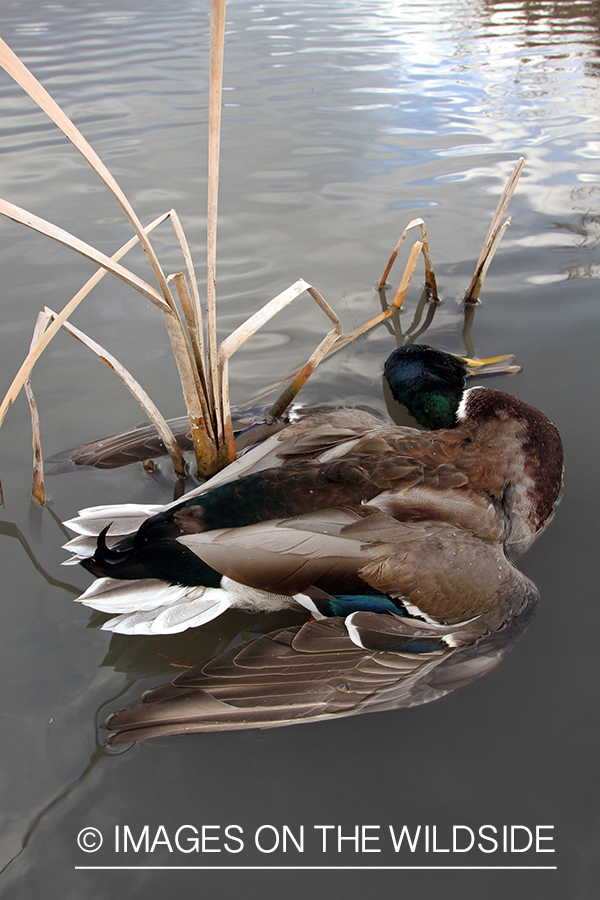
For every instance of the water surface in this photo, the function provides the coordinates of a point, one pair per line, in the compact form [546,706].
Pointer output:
[342,122]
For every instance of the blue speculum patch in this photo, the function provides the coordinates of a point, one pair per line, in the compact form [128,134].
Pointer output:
[345,604]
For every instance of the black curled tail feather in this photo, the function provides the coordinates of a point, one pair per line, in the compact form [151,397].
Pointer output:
[154,552]
[103,550]
[106,560]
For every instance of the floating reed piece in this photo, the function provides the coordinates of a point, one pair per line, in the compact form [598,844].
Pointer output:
[202,364]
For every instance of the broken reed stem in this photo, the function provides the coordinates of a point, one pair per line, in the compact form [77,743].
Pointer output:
[136,389]
[251,326]
[23,217]
[204,447]
[197,306]
[205,451]
[395,306]
[407,275]
[498,237]
[37,490]
[195,335]
[495,234]
[298,382]
[287,396]
[430,280]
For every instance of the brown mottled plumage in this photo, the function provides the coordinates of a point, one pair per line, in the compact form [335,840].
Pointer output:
[401,541]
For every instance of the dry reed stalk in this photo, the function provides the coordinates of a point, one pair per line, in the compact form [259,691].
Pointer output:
[430,280]
[188,376]
[135,389]
[205,452]
[37,490]
[217,41]
[300,376]
[320,352]
[395,305]
[195,334]
[494,236]
[251,326]
[17,214]
[21,74]
[39,346]
[190,382]
[198,347]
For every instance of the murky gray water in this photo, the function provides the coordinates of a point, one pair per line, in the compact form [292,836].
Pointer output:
[342,122]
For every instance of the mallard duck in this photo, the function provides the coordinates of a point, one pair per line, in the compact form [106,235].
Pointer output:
[399,542]
[345,515]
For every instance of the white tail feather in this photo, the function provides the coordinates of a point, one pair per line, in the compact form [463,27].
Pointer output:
[115,595]
[186,613]
[150,606]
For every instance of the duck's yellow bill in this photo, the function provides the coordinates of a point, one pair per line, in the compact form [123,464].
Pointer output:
[493,365]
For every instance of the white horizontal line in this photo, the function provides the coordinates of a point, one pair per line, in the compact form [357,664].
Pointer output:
[321,868]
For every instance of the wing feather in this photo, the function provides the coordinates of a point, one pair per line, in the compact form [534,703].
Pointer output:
[325,669]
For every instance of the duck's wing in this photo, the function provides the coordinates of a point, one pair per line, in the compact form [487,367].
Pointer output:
[145,443]
[435,568]
[118,450]
[432,568]
[323,436]
[321,670]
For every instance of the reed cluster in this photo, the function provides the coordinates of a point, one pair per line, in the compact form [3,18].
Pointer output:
[202,362]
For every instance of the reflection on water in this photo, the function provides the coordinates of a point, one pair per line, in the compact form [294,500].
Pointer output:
[313,672]
[342,122]
[140,658]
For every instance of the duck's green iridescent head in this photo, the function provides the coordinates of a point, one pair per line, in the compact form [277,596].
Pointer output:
[428,382]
